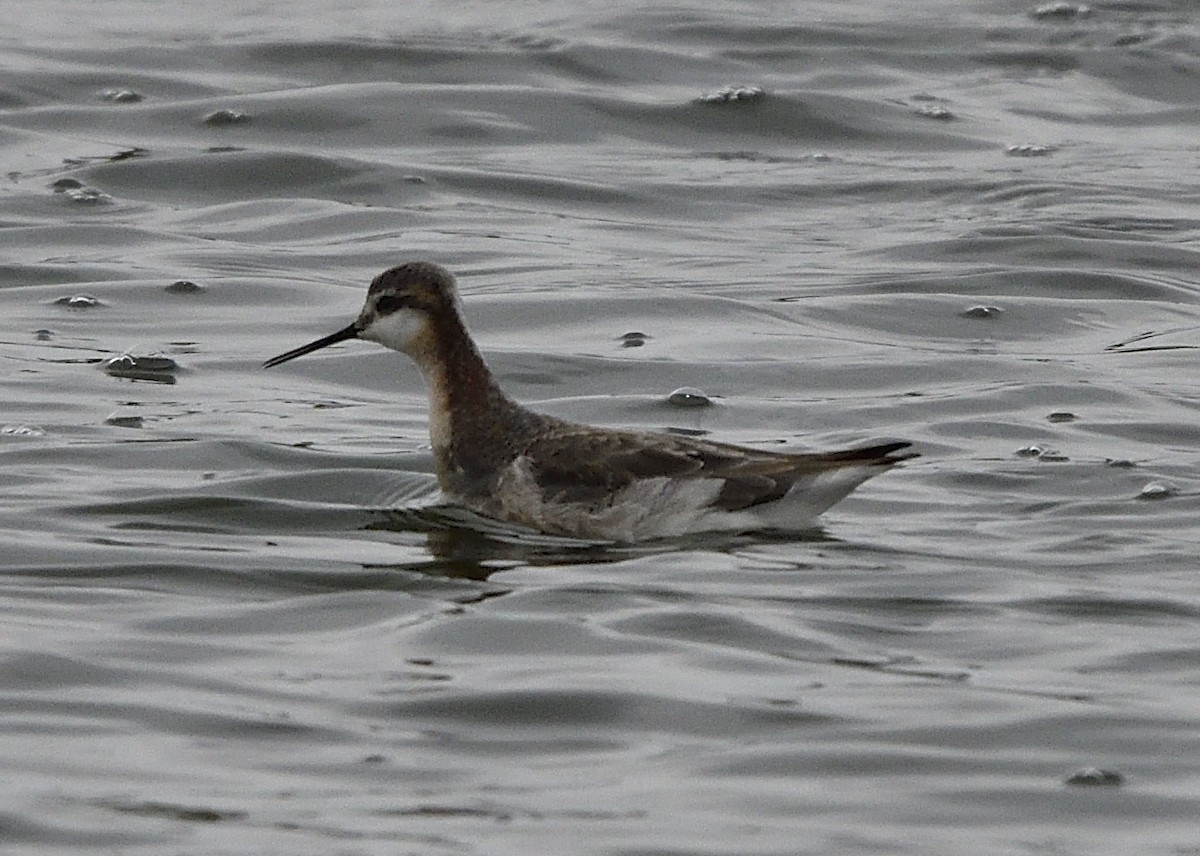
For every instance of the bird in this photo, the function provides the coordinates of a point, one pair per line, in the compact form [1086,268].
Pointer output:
[505,461]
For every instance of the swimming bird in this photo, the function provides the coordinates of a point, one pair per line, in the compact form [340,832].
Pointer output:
[505,461]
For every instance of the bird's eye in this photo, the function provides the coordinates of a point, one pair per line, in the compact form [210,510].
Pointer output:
[389,303]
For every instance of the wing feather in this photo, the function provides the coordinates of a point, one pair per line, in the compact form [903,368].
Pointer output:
[587,466]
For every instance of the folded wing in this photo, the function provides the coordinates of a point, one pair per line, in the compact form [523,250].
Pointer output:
[583,466]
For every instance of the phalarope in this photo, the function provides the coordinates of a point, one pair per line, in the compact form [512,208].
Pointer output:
[505,461]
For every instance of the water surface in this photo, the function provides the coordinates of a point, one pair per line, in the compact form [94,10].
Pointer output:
[238,622]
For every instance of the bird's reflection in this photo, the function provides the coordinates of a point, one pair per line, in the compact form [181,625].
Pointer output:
[465,545]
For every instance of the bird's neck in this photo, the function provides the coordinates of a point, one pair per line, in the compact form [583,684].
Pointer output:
[475,428]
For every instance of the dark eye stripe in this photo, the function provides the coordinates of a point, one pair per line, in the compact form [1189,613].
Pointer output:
[389,303]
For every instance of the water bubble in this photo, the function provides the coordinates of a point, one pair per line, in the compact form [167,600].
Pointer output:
[730,94]
[1158,490]
[1061,11]
[154,368]
[1053,456]
[129,362]
[1094,777]
[220,118]
[116,419]
[1061,416]
[79,301]
[935,111]
[1042,453]
[986,312]
[183,286]
[120,96]
[87,195]
[688,396]
[1029,150]
[21,431]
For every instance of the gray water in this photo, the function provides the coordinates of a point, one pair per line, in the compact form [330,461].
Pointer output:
[238,620]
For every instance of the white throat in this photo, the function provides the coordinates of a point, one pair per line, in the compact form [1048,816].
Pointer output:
[400,330]
[410,332]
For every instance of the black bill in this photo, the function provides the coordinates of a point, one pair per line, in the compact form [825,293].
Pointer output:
[342,335]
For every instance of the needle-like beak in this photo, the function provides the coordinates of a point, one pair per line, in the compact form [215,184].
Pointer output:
[342,335]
